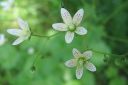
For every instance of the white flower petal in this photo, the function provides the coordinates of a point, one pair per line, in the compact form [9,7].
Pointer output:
[79,72]
[60,26]
[66,16]
[18,41]
[90,66]
[15,32]
[2,39]
[87,54]
[31,50]
[78,17]
[23,25]
[81,30]
[69,37]
[71,63]
[76,53]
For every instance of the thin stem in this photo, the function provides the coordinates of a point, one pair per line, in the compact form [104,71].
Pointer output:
[33,68]
[62,4]
[116,39]
[44,36]
[104,53]
[40,35]
[112,54]
[36,57]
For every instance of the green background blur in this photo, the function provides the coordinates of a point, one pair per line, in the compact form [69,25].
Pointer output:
[40,61]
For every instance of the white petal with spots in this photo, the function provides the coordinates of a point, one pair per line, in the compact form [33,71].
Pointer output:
[87,54]
[66,16]
[79,72]
[90,66]
[81,30]
[78,17]
[69,37]
[60,27]
[76,53]
[71,63]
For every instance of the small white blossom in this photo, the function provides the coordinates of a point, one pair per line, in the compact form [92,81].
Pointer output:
[23,33]
[80,61]
[71,25]
[31,50]
[7,4]
[2,39]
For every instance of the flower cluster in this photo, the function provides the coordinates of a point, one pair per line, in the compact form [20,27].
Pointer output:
[71,26]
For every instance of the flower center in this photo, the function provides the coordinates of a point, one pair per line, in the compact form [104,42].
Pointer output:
[82,59]
[25,33]
[72,27]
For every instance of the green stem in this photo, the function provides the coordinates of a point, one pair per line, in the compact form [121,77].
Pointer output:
[44,36]
[111,54]
[104,53]
[62,4]
[33,68]
[116,39]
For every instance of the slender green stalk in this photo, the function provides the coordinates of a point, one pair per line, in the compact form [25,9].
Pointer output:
[111,54]
[116,39]
[44,36]
[62,4]
[104,53]
[33,68]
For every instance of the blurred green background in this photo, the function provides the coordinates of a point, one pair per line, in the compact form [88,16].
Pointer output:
[40,61]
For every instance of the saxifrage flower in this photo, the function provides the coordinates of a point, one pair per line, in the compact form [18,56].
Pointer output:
[23,33]
[70,25]
[80,61]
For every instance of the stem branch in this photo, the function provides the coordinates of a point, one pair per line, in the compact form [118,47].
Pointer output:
[44,36]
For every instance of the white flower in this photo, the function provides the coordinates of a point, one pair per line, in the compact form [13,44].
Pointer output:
[81,61]
[71,25]
[2,39]
[31,50]
[23,33]
[7,4]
